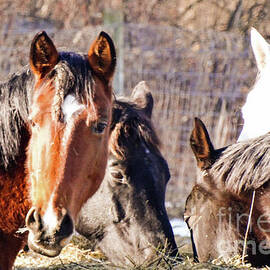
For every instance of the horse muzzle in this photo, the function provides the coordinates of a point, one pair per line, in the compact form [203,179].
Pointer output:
[45,238]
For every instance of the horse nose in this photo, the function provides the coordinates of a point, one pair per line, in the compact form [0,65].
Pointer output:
[48,234]
[66,226]
[33,220]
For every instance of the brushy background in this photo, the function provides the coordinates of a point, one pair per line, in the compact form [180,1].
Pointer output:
[195,56]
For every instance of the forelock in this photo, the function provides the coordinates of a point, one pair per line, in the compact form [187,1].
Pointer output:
[72,75]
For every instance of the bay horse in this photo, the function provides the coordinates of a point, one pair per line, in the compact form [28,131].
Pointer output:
[256,109]
[135,225]
[55,119]
[227,210]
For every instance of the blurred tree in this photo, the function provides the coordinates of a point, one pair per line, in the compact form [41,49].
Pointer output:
[222,15]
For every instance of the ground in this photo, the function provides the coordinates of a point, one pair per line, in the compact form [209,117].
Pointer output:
[78,256]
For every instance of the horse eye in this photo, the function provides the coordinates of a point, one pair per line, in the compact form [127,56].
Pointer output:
[99,127]
[118,177]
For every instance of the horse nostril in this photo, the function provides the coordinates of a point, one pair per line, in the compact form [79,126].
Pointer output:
[66,227]
[33,219]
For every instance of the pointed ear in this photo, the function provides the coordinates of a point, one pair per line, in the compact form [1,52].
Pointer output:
[261,49]
[201,145]
[102,56]
[43,55]
[142,96]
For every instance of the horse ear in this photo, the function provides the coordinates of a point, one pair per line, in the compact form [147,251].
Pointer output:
[43,54]
[261,49]
[201,144]
[102,56]
[142,96]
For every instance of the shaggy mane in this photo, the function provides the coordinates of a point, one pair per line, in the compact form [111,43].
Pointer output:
[244,165]
[14,102]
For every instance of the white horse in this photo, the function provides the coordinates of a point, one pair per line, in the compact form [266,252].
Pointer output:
[256,110]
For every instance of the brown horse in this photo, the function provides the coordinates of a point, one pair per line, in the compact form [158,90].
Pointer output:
[232,187]
[136,223]
[55,121]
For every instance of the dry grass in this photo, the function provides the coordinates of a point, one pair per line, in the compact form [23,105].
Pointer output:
[71,257]
[77,256]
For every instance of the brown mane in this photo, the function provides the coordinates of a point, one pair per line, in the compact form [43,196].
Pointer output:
[131,130]
[244,166]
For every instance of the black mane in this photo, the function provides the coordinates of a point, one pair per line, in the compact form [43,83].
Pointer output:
[15,97]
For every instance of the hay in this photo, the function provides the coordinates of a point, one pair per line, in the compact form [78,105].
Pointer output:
[71,257]
[78,256]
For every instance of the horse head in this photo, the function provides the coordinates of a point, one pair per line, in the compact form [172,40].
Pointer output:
[70,116]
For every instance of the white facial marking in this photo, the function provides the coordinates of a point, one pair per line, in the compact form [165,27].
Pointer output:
[70,106]
[50,217]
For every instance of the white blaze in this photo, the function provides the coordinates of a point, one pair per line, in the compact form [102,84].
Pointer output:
[50,220]
[70,106]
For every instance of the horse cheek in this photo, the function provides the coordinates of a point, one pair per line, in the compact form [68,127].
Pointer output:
[100,156]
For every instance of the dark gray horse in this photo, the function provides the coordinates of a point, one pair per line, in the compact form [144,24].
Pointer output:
[126,219]
[232,184]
